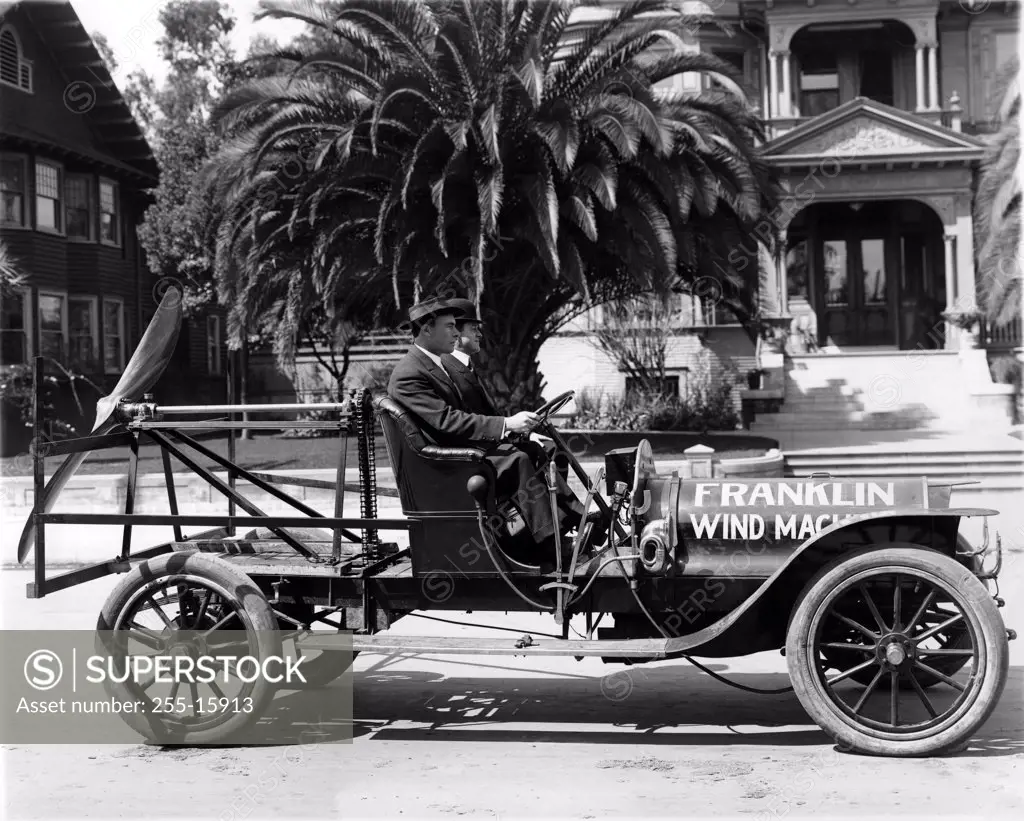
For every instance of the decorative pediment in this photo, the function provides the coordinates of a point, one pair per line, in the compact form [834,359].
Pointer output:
[864,135]
[863,129]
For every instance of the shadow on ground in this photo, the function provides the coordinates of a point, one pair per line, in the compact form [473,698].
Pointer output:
[666,706]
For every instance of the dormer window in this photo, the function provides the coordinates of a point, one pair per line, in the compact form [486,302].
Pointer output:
[15,70]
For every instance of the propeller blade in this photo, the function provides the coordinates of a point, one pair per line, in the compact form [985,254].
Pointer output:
[145,367]
[149,360]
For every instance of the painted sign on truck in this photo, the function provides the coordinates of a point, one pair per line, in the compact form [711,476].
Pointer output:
[783,509]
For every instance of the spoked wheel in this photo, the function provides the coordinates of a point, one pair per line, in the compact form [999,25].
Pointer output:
[190,605]
[920,617]
[946,650]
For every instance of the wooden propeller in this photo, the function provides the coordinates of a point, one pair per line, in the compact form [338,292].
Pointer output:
[145,367]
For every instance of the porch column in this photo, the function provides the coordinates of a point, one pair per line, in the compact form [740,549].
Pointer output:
[933,78]
[786,91]
[781,274]
[951,285]
[919,76]
[963,271]
[773,85]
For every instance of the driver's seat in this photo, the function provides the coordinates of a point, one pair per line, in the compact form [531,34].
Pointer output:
[444,535]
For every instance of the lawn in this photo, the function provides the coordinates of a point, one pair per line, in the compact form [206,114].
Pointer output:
[277,453]
[265,452]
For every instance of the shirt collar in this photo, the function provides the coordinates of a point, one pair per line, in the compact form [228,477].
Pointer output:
[462,357]
[433,357]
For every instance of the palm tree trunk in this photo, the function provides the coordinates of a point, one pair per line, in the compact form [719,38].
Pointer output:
[512,377]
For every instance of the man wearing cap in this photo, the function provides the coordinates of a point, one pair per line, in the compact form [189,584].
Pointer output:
[459,365]
[421,383]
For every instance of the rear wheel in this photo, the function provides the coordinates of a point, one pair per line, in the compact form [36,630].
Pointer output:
[190,605]
[897,586]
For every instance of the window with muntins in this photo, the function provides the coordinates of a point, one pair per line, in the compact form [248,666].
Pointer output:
[48,196]
[79,209]
[52,325]
[83,332]
[14,328]
[110,230]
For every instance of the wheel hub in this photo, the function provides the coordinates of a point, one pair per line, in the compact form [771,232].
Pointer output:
[895,651]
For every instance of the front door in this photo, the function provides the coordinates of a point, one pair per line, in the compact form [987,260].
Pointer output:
[856,296]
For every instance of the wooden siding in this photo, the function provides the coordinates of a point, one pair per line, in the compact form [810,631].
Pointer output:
[43,111]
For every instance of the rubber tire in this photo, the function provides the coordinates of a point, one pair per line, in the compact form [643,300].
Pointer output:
[981,611]
[256,613]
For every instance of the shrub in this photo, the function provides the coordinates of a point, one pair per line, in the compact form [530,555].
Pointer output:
[59,395]
[1006,370]
[710,409]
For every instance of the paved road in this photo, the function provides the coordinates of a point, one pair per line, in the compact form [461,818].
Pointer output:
[496,737]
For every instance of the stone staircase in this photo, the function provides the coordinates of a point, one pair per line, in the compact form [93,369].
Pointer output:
[992,468]
[887,390]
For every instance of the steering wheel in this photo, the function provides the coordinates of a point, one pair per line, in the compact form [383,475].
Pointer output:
[548,409]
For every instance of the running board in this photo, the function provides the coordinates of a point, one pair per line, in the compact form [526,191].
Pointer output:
[525,645]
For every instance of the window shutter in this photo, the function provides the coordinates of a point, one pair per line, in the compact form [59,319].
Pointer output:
[9,58]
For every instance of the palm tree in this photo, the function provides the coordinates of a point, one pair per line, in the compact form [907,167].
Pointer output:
[997,207]
[463,148]
[11,275]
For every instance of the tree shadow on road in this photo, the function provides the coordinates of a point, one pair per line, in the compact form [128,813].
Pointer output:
[670,705]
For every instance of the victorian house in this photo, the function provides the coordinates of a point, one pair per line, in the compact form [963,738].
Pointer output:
[878,113]
[75,169]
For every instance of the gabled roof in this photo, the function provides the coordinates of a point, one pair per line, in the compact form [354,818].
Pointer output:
[76,56]
[865,131]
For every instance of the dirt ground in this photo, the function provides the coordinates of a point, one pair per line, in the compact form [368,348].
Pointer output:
[499,737]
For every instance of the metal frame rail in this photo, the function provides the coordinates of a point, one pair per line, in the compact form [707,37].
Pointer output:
[172,441]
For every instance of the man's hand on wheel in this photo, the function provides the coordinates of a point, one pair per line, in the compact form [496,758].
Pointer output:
[522,422]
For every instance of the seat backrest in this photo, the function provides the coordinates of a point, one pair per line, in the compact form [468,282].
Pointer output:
[424,485]
[399,425]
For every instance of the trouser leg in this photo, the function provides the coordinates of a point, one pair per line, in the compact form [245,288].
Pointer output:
[522,484]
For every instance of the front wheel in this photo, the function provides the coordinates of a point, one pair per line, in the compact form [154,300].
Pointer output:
[893,715]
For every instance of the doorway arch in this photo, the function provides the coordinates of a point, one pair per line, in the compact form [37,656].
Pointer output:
[868,274]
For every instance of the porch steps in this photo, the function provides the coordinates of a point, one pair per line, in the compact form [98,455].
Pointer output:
[992,469]
[887,390]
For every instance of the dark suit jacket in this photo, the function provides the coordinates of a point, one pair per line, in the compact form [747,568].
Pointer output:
[474,395]
[423,389]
